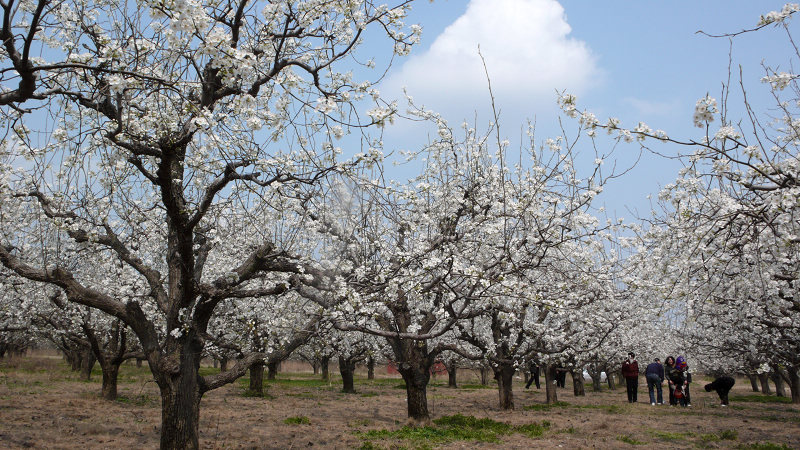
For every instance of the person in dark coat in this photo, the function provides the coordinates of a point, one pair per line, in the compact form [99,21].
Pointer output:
[722,385]
[630,370]
[534,369]
[674,377]
[655,378]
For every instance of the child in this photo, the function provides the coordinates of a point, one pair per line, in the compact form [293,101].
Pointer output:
[722,385]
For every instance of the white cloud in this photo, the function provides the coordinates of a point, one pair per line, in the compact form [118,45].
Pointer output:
[527,49]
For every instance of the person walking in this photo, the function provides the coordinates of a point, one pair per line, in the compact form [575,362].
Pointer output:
[673,376]
[722,385]
[654,374]
[630,370]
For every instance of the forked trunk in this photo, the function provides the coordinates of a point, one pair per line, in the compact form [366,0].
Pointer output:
[780,390]
[577,383]
[484,376]
[347,369]
[452,369]
[505,379]
[272,370]
[764,379]
[753,382]
[256,387]
[110,374]
[550,383]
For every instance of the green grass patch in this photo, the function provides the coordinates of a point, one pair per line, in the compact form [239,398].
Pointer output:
[611,409]
[297,420]
[760,398]
[247,393]
[545,406]
[628,439]
[457,428]
[533,430]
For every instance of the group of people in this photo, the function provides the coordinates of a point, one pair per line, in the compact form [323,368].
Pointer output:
[676,373]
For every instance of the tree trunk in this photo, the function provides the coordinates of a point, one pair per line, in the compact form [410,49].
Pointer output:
[504,374]
[550,383]
[416,378]
[610,380]
[110,374]
[371,368]
[178,381]
[139,362]
[223,365]
[214,361]
[794,383]
[764,379]
[452,369]
[347,369]
[484,376]
[753,382]
[324,365]
[577,383]
[87,364]
[315,366]
[272,369]
[597,379]
[257,379]
[780,390]
[414,364]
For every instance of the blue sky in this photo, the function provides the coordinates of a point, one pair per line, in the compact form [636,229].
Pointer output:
[635,60]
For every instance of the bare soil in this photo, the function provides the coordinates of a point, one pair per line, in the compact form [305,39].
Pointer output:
[45,405]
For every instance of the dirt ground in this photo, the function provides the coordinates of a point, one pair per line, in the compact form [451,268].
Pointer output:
[44,405]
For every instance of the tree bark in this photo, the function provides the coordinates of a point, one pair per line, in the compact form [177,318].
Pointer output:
[223,365]
[110,375]
[178,380]
[484,376]
[371,368]
[452,370]
[764,379]
[550,383]
[347,368]
[780,390]
[315,366]
[753,382]
[87,364]
[139,362]
[272,369]
[504,374]
[794,383]
[257,379]
[324,366]
[610,380]
[577,382]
